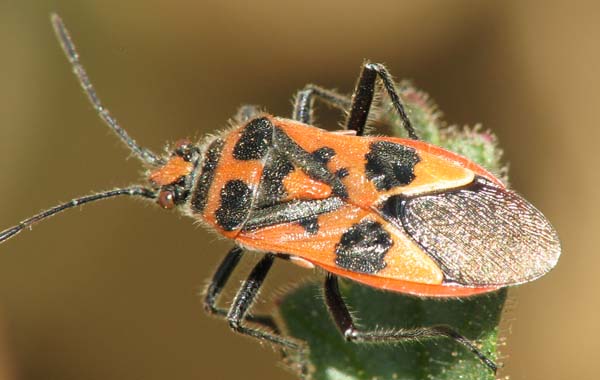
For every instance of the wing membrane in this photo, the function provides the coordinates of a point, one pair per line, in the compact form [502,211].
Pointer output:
[482,235]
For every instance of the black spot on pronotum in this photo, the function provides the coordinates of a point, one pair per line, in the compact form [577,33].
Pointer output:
[209,165]
[255,140]
[362,248]
[310,225]
[390,165]
[236,199]
[324,154]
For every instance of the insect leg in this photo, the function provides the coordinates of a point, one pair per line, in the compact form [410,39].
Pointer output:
[340,314]
[363,98]
[244,300]
[304,102]
[219,281]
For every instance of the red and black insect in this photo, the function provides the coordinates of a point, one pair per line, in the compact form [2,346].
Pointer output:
[391,213]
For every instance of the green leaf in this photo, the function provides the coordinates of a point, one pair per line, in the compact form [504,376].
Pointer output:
[330,357]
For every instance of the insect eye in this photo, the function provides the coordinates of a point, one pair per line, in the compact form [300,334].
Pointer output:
[166,199]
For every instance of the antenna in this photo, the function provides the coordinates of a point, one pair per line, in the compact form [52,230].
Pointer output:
[68,47]
[131,191]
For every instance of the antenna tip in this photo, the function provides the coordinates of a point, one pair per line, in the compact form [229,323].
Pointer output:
[55,18]
[57,22]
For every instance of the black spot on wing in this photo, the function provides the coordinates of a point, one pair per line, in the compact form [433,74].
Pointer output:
[363,248]
[324,154]
[271,189]
[310,224]
[390,164]
[393,207]
[209,165]
[308,163]
[254,141]
[236,199]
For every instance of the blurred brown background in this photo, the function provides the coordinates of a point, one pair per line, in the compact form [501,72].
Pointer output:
[111,292]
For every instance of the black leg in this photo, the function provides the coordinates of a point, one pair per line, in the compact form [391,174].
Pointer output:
[343,320]
[244,300]
[304,102]
[219,281]
[363,98]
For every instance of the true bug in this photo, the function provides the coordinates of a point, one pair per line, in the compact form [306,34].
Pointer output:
[391,213]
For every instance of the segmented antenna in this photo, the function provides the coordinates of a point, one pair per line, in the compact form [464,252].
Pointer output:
[69,48]
[131,191]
